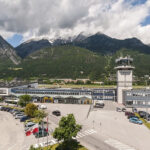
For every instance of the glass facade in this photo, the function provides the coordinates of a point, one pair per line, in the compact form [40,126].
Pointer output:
[96,94]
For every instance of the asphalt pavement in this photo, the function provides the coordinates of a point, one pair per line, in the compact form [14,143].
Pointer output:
[103,129]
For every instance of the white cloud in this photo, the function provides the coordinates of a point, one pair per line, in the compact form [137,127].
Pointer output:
[54,18]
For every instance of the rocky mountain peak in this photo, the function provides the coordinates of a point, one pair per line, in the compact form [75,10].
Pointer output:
[7,50]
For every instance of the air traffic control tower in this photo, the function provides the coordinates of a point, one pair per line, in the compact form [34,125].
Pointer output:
[124,76]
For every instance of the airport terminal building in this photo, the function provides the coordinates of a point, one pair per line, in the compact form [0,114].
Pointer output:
[60,95]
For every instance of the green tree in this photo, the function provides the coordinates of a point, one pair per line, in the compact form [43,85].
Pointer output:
[1,99]
[67,128]
[32,148]
[88,82]
[24,100]
[30,109]
[40,114]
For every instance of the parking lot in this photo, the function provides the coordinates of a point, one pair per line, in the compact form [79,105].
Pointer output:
[108,123]
[109,127]
[12,133]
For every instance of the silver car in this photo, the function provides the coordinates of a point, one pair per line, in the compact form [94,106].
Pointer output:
[18,116]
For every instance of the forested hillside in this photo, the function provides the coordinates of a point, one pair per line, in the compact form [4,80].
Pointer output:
[73,62]
[63,62]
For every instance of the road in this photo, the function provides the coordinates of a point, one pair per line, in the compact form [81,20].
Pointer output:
[104,129]
[113,129]
[91,141]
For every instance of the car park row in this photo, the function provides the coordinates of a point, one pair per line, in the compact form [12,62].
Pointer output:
[132,115]
[29,124]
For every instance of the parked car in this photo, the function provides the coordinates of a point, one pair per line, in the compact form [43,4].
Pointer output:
[24,118]
[118,109]
[27,121]
[127,113]
[18,116]
[14,110]
[5,109]
[134,110]
[11,110]
[18,113]
[41,133]
[56,113]
[28,127]
[133,116]
[1,107]
[42,106]
[41,129]
[142,114]
[146,116]
[135,120]
[123,109]
[8,109]
[99,105]
[30,124]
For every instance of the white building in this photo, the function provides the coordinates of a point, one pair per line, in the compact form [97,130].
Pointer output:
[124,76]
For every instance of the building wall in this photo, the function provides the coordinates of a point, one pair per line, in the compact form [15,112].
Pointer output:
[104,94]
[4,91]
[124,82]
[137,97]
[94,94]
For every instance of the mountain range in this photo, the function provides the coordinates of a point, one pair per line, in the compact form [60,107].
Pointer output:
[99,43]
[79,57]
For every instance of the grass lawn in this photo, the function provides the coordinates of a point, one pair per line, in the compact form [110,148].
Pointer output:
[83,86]
[76,86]
[72,145]
[53,147]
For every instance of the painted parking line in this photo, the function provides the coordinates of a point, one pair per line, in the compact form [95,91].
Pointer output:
[54,142]
[118,145]
[85,133]
[79,135]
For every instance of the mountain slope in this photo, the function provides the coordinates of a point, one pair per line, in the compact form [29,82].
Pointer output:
[72,62]
[63,62]
[31,46]
[104,44]
[7,51]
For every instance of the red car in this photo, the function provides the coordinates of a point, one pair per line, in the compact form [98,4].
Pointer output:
[127,113]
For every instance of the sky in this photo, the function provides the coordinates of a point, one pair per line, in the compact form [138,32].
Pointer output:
[22,20]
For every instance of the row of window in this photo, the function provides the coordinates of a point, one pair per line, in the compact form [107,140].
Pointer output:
[51,93]
[65,92]
[103,97]
[104,91]
[138,94]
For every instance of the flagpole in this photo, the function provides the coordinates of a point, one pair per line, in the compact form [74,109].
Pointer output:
[38,130]
[43,130]
[47,133]
[38,133]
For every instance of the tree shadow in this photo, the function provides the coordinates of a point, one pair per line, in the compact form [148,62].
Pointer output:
[69,145]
